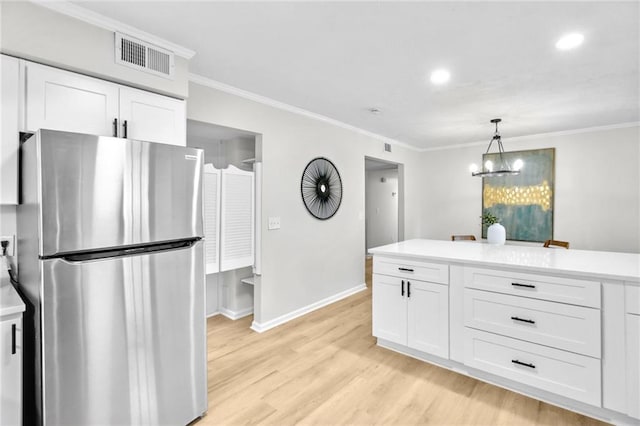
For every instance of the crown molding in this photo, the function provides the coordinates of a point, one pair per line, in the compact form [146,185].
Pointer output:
[540,135]
[213,84]
[101,21]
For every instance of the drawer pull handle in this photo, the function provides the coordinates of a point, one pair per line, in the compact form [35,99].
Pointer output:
[523,285]
[528,321]
[13,339]
[402,291]
[405,269]
[525,364]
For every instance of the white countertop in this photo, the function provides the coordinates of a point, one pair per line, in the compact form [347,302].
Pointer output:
[10,301]
[601,264]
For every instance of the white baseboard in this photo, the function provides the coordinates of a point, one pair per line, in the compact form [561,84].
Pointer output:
[268,325]
[213,314]
[234,315]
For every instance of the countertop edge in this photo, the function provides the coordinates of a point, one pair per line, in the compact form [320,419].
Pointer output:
[488,263]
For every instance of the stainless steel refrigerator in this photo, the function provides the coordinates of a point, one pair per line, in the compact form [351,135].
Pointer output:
[110,258]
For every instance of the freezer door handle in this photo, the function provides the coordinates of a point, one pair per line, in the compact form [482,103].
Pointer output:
[129,251]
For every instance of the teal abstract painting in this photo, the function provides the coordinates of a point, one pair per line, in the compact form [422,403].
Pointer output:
[524,202]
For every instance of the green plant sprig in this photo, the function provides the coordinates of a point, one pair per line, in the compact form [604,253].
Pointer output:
[489,219]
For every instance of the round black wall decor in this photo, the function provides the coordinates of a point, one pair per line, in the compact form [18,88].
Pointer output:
[321,188]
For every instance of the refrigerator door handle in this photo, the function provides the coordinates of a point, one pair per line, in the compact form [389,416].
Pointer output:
[128,251]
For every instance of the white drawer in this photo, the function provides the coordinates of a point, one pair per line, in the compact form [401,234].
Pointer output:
[564,373]
[411,269]
[632,298]
[555,289]
[568,327]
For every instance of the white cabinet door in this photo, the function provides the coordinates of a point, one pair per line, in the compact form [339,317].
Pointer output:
[9,136]
[633,365]
[153,118]
[62,100]
[428,318]
[389,309]
[11,370]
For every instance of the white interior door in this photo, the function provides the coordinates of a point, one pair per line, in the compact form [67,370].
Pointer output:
[212,178]
[61,100]
[151,117]
[237,232]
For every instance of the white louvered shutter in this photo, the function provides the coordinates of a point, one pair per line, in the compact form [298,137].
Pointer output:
[237,233]
[212,218]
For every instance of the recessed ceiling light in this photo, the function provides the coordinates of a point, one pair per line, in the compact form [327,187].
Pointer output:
[440,76]
[375,110]
[569,41]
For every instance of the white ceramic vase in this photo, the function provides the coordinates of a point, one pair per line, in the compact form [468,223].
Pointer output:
[496,234]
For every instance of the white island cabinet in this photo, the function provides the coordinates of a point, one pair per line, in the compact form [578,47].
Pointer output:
[410,304]
[562,326]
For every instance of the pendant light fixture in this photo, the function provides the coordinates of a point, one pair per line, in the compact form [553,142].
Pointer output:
[502,168]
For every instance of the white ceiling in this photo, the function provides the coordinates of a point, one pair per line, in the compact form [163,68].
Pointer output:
[339,59]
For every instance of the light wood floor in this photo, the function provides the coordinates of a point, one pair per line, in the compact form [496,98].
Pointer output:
[325,368]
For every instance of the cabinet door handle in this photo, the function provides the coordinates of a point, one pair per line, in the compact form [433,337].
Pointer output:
[115,127]
[405,269]
[525,364]
[124,128]
[13,339]
[408,288]
[528,321]
[402,291]
[523,285]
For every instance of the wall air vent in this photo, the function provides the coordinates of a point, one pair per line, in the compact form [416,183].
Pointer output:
[144,56]
[387,147]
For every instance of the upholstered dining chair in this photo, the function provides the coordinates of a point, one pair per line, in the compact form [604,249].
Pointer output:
[463,238]
[557,243]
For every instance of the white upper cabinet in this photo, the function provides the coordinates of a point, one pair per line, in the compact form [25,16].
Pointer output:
[150,117]
[9,129]
[63,100]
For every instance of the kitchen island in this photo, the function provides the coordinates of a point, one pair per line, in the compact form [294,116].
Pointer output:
[562,326]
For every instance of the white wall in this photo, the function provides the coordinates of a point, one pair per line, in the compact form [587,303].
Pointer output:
[33,32]
[307,260]
[597,188]
[381,207]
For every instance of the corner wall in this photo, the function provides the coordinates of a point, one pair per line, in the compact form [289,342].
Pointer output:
[307,260]
[597,188]
[33,32]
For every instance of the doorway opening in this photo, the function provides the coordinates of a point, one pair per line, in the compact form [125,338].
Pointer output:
[232,189]
[384,206]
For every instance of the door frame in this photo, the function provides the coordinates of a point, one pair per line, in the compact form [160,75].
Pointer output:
[401,195]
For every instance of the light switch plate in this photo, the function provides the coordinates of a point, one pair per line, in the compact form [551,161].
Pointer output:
[274,223]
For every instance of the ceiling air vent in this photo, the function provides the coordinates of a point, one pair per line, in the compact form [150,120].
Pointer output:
[144,56]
